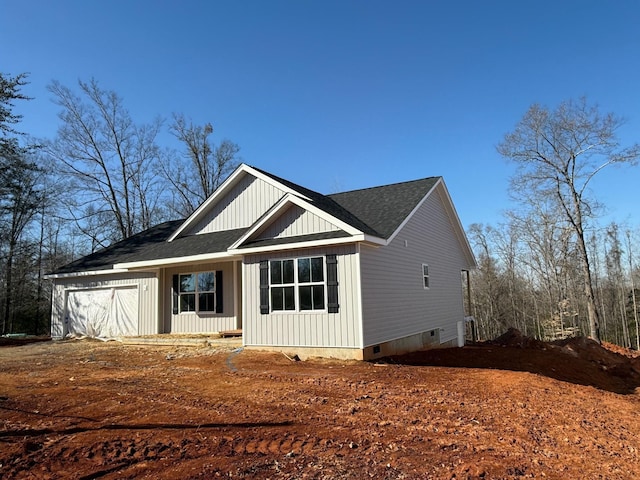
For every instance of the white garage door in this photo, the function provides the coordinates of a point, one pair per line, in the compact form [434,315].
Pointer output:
[102,312]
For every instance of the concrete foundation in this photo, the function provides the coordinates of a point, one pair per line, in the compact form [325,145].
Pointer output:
[412,343]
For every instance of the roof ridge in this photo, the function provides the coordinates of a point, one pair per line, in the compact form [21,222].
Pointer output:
[385,185]
[288,183]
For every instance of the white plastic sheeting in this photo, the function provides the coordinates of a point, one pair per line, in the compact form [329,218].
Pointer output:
[102,312]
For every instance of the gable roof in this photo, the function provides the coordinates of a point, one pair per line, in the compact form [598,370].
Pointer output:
[376,212]
[324,203]
[386,207]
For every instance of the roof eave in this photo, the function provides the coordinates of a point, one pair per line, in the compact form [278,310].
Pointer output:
[86,273]
[166,262]
[309,244]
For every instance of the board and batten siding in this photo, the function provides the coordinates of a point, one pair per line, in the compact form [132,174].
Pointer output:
[297,221]
[395,302]
[146,282]
[193,322]
[299,329]
[245,203]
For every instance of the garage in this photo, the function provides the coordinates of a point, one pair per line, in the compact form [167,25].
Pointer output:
[102,312]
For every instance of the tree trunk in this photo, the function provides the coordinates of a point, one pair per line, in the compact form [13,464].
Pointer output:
[592,309]
[6,322]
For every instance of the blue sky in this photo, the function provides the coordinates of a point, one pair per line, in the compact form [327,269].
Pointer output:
[339,95]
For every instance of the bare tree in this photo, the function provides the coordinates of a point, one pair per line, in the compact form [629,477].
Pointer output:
[108,159]
[206,167]
[558,152]
[634,302]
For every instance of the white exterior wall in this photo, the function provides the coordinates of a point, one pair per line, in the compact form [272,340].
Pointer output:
[192,322]
[297,221]
[147,283]
[241,207]
[395,303]
[340,329]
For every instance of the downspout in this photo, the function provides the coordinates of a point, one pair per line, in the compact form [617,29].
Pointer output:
[474,335]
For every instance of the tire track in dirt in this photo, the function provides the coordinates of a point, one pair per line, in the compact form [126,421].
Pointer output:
[88,457]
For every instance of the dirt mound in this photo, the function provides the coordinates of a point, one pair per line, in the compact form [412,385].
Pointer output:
[627,352]
[578,360]
[617,361]
[514,338]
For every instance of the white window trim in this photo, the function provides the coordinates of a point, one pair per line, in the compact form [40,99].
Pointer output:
[296,284]
[196,292]
[425,277]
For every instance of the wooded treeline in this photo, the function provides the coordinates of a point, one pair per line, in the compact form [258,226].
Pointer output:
[101,179]
[529,278]
[551,269]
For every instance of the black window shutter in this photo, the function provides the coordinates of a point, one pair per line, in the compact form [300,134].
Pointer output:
[175,296]
[264,287]
[219,308]
[332,284]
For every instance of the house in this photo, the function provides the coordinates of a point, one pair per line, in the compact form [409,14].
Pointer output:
[359,274]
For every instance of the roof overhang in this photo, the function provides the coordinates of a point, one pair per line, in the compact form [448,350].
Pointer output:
[168,262]
[88,273]
[361,238]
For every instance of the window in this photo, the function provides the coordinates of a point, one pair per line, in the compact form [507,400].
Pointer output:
[297,284]
[282,282]
[197,292]
[425,275]
[311,283]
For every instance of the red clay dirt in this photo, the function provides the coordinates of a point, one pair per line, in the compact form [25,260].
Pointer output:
[514,408]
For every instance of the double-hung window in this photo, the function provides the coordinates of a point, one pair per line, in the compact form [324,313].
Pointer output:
[425,275]
[297,284]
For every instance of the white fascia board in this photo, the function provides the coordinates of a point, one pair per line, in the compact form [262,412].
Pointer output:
[368,239]
[242,169]
[281,206]
[165,262]
[89,273]
[297,245]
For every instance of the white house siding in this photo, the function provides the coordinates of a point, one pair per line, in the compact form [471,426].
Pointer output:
[340,329]
[297,221]
[395,303]
[192,322]
[146,282]
[247,201]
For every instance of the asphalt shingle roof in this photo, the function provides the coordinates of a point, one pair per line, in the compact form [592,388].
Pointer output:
[384,208]
[376,211]
[152,245]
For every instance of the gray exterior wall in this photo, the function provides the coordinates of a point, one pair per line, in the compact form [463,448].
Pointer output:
[395,302]
[192,322]
[297,221]
[340,329]
[147,283]
[247,201]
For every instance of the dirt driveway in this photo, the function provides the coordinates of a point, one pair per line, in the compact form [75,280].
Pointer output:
[86,410]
